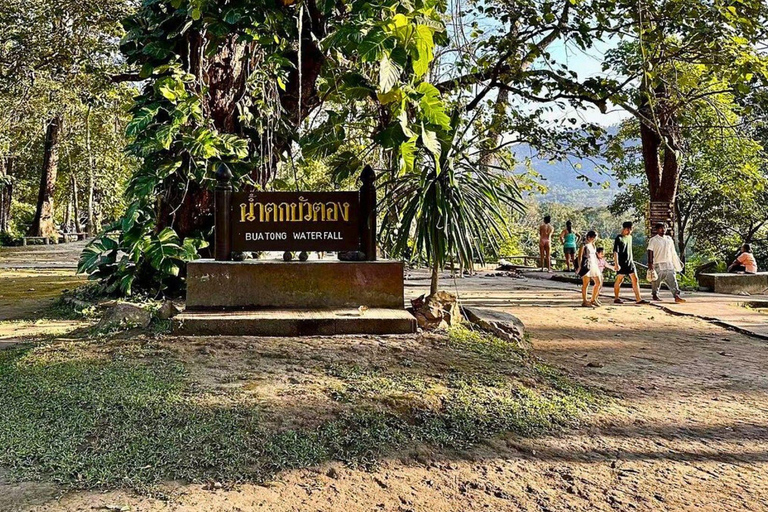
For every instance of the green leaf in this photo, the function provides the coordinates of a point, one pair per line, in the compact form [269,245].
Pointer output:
[146,70]
[407,156]
[373,46]
[424,50]
[389,74]
[429,139]
[355,86]
[432,106]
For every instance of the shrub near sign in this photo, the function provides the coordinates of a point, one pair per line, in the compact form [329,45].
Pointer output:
[295,221]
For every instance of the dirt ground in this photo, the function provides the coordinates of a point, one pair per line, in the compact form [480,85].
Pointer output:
[687,430]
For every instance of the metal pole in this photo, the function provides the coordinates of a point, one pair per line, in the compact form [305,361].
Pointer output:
[221,203]
[368,214]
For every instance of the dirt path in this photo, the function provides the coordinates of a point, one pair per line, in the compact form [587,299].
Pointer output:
[687,430]
[56,256]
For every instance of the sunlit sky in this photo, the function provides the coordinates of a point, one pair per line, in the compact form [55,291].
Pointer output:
[587,65]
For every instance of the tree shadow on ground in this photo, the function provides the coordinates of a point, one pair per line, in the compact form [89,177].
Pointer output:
[120,411]
[100,414]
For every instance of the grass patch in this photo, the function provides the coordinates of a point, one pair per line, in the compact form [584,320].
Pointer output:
[129,414]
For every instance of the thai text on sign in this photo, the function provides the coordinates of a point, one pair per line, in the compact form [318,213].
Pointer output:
[295,221]
[300,210]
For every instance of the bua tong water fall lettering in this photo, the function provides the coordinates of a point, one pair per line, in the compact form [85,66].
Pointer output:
[288,221]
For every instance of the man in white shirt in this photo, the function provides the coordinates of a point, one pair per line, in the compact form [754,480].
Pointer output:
[663,259]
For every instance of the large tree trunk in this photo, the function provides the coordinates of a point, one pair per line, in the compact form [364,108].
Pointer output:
[6,194]
[187,206]
[661,142]
[43,224]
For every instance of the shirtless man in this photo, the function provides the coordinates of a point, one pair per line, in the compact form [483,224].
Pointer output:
[545,244]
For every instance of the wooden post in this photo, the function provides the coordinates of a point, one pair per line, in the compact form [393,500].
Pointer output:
[222,199]
[368,214]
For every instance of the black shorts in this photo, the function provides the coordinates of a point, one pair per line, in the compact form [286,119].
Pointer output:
[627,271]
[569,250]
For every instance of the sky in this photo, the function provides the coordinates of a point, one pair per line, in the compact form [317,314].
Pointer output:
[587,65]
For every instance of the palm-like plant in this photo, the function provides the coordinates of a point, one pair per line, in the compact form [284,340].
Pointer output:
[451,206]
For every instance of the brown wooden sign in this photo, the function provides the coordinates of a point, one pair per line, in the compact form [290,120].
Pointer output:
[661,211]
[295,221]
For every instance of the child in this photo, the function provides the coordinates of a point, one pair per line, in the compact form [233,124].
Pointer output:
[589,270]
[602,264]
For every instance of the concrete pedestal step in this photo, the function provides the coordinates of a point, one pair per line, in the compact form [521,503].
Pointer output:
[294,322]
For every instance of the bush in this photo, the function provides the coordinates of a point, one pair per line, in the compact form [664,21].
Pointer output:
[136,259]
[8,239]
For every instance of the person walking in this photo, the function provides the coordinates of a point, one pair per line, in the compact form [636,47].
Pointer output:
[589,270]
[664,262]
[625,264]
[570,241]
[545,244]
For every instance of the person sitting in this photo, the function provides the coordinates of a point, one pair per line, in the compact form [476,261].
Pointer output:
[744,262]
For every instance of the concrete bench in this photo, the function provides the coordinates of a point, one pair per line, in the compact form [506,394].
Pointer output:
[735,284]
[71,237]
[45,239]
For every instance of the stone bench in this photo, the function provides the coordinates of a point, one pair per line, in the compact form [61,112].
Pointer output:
[72,237]
[735,284]
[45,239]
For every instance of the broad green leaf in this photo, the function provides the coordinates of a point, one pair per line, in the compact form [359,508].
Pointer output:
[407,156]
[429,139]
[373,46]
[424,49]
[389,74]
[394,95]
[432,106]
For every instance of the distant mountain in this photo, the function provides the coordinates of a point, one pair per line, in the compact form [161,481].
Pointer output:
[576,182]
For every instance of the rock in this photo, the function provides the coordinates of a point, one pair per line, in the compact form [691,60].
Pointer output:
[438,311]
[333,473]
[351,256]
[168,310]
[76,303]
[594,364]
[125,314]
[287,256]
[303,256]
[502,325]
[242,256]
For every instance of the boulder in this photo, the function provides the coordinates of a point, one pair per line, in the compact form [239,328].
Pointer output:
[167,310]
[438,311]
[125,314]
[502,325]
